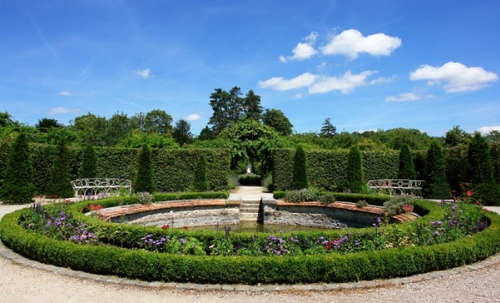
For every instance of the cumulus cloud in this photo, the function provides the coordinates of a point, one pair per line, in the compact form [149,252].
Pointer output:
[144,73]
[456,76]
[63,110]
[487,129]
[351,43]
[65,93]
[383,80]
[192,117]
[279,83]
[303,50]
[345,83]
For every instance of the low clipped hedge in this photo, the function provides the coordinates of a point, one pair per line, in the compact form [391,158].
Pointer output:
[370,199]
[330,268]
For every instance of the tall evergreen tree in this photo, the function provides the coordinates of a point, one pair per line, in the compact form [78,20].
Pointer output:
[276,119]
[327,130]
[481,171]
[59,184]
[88,167]
[18,187]
[355,170]
[251,106]
[406,166]
[200,175]
[144,181]
[299,170]
[182,132]
[436,186]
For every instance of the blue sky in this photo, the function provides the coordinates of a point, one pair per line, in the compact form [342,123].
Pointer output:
[366,65]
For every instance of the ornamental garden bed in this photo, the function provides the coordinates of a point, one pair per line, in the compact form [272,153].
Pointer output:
[74,240]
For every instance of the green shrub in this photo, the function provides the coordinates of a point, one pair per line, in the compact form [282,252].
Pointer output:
[355,170]
[88,167]
[436,186]
[299,180]
[144,198]
[396,205]
[302,195]
[361,203]
[200,175]
[59,185]
[406,166]
[144,181]
[18,187]
[327,198]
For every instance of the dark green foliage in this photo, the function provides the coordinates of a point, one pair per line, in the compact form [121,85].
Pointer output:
[327,129]
[144,181]
[206,134]
[299,180]
[18,187]
[276,119]
[456,137]
[457,165]
[406,166]
[88,168]
[436,186]
[481,171]
[200,175]
[355,170]
[59,184]
[182,132]
[45,124]
[249,180]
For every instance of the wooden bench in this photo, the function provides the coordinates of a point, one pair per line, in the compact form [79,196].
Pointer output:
[397,186]
[95,186]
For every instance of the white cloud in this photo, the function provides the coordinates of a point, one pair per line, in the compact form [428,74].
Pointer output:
[458,77]
[192,117]
[383,80]
[144,73]
[303,50]
[404,97]
[65,93]
[278,83]
[63,110]
[351,42]
[487,129]
[345,84]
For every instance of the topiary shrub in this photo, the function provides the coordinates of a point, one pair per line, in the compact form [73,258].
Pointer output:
[299,180]
[88,166]
[200,175]
[144,181]
[355,170]
[59,185]
[18,187]
[436,186]
[406,166]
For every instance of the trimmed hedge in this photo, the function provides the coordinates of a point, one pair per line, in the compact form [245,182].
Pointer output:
[370,199]
[330,268]
[173,168]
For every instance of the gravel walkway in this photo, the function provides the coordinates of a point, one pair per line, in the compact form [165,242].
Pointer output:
[21,283]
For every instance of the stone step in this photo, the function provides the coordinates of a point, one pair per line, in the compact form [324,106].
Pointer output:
[250,202]
[248,217]
[250,207]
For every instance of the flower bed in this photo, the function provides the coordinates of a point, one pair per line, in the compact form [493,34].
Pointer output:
[181,255]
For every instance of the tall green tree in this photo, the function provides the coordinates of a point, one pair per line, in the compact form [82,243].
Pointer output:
[299,180]
[45,124]
[328,130]
[355,170]
[182,132]
[18,187]
[88,168]
[251,106]
[406,165]
[456,136]
[481,171]
[59,184]
[227,109]
[91,129]
[276,119]
[436,186]
[206,134]
[144,181]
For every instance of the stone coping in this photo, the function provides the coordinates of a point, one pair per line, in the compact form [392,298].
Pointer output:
[329,287]
[117,211]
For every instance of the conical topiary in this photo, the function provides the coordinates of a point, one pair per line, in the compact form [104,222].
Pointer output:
[406,166]
[88,167]
[355,170]
[144,181]
[59,184]
[436,186]
[18,187]
[200,175]
[299,180]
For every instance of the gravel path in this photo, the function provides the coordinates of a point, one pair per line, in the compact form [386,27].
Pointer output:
[29,284]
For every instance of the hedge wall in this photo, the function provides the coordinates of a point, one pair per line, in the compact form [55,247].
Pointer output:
[328,168]
[173,169]
[330,268]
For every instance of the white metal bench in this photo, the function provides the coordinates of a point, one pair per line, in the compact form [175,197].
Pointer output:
[397,186]
[94,186]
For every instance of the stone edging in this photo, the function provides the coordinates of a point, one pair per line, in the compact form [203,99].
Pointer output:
[18,259]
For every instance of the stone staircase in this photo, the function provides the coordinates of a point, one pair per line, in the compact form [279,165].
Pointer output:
[249,210]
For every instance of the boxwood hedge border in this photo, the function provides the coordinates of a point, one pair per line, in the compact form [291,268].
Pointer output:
[330,268]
